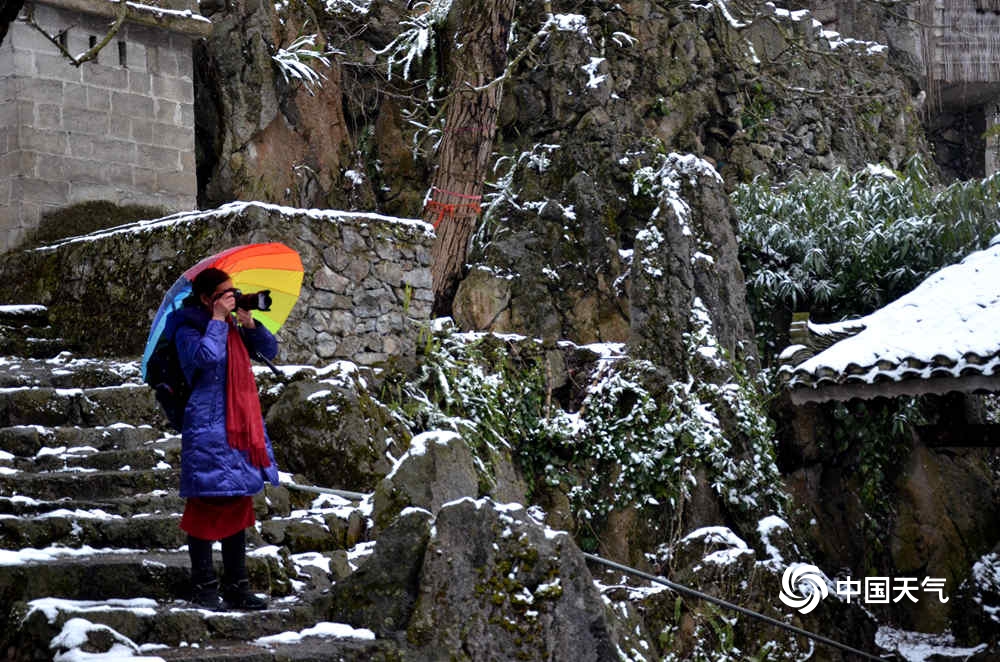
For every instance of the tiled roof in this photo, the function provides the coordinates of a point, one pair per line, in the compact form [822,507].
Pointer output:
[942,336]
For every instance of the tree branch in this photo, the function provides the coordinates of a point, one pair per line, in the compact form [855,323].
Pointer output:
[91,53]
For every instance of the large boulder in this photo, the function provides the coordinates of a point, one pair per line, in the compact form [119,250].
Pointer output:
[497,585]
[381,593]
[438,467]
[335,433]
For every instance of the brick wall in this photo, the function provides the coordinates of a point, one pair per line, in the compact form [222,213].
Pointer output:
[120,128]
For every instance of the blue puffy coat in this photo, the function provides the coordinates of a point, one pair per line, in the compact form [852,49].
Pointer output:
[209,466]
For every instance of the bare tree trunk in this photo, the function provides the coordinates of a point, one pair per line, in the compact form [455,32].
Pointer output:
[481,30]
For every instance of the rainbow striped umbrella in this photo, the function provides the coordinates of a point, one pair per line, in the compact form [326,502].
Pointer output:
[253,267]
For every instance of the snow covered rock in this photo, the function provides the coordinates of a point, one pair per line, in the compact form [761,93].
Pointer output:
[437,468]
[334,433]
[490,565]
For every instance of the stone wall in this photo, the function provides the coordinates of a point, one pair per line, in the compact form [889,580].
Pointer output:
[120,128]
[367,283]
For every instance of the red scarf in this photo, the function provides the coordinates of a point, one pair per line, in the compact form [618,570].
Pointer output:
[244,425]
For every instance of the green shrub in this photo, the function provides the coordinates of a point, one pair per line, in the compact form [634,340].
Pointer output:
[842,245]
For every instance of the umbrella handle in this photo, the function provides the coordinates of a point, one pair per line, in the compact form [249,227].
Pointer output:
[262,358]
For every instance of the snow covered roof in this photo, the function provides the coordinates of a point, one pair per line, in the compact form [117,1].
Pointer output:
[943,336]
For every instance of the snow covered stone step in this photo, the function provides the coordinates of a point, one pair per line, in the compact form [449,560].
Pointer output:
[28,440]
[88,573]
[86,484]
[94,528]
[31,344]
[155,503]
[155,625]
[47,406]
[163,454]
[24,314]
[67,371]
[323,642]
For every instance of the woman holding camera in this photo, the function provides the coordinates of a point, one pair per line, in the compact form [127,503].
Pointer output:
[225,454]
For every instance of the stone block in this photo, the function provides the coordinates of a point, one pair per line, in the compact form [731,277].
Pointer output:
[126,104]
[115,151]
[85,192]
[121,129]
[176,182]
[41,140]
[89,122]
[40,190]
[418,278]
[56,67]
[118,174]
[139,82]
[141,131]
[74,95]
[187,115]
[103,76]
[176,137]
[173,89]
[98,99]
[48,116]
[26,38]
[24,63]
[167,63]
[43,91]
[82,147]
[69,169]
[166,111]
[8,114]
[160,158]
[144,178]
[136,54]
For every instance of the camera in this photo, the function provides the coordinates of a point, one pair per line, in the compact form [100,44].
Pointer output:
[254,300]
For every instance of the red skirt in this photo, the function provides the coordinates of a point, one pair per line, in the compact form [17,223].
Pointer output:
[215,518]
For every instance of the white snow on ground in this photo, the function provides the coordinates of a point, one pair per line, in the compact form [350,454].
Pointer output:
[766,528]
[29,554]
[75,634]
[21,309]
[918,647]
[719,535]
[51,607]
[335,630]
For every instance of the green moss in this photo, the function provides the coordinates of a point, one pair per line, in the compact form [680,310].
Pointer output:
[86,217]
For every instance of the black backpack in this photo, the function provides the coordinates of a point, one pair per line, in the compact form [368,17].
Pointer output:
[164,375]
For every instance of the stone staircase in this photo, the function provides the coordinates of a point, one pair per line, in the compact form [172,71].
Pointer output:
[91,556]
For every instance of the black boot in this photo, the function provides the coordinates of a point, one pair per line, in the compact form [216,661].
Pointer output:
[235,584]
[204,583]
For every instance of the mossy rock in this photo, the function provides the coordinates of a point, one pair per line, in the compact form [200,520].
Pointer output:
[86,217]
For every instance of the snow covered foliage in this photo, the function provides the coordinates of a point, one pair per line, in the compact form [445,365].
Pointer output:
[417,36]
[626,439]
[299,61]
[984,586]
[843,244]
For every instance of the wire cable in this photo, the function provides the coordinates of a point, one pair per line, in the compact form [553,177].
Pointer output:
[684,590]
